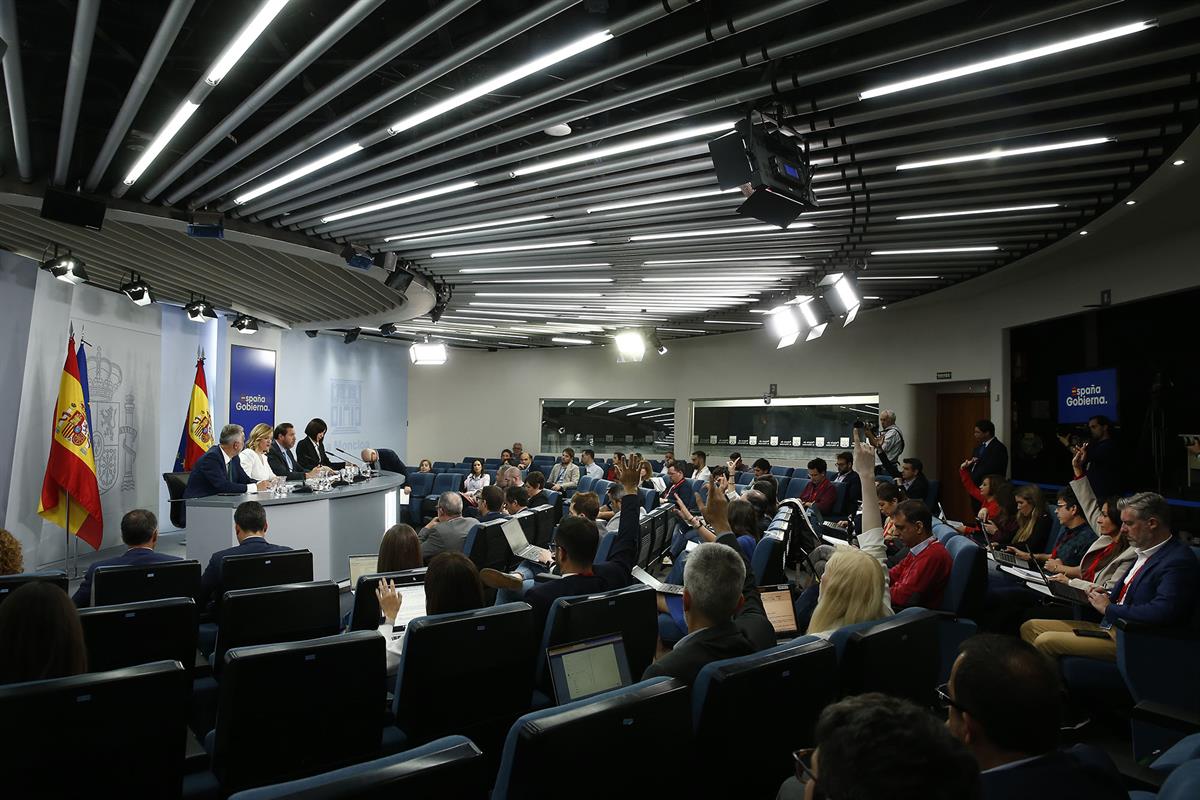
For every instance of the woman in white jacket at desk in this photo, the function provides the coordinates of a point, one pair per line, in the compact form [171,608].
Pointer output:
[254,454]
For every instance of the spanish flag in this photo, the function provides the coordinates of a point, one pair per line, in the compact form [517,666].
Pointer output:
[70,490]
[197,438]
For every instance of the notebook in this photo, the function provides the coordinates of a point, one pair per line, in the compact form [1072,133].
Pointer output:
[412,605]
[780,610]
[362,565]
[589,667]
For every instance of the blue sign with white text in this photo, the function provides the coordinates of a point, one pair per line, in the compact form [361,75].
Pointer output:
[251,387]
[1083,395]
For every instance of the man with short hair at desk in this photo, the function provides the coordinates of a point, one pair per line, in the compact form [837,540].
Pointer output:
[448,530]
[250,528]
[219,471]
[491,504]
[139,532]
[281,457]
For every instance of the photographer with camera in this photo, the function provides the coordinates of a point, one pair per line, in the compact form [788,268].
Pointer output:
[887,440]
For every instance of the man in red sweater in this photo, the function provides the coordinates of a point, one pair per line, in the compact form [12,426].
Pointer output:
[819,493]
[920,578]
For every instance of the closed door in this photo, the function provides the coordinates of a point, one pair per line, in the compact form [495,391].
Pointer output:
[956,418]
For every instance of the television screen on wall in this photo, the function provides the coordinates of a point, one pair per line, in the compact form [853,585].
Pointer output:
[1083,395]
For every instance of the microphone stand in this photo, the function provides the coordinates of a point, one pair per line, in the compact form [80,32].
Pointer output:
[360,477]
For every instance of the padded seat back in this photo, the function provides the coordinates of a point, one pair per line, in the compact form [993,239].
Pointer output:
[366,615]
[943,532]
[968,578]
[266,569]
[126,635]
[483,660]
[297,709]
[783,690]
[631,612]
[899,656]
[448,767]
[446,482]
[276,614]
[605,547]
[785,472]
[421,484]
[649,499]
[743,478]
[629,733]
[931,497]
[176,485]
[555,501]
[444,466]
[585,485]
[486,546]
[70,736]
[137,582]
[10,583]
[767,563]
[839,503]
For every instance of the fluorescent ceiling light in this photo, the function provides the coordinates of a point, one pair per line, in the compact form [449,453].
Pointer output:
[643,411]
[181,115]
[570,403]
[1002,153]
[624,147]
[453,338]
[550,280]
[596,404]
[460,228]
[900,278]
[661,198]
[475,321]
[552,295]
[968,212]
[299,172]
[479,251]
[464,96]
[749,279]
[729,322]
[681,330]
[925,250]
[1004,61]
[512,344]
[246,36]
[479,270]
[622,408]
[718,260]
[646,237]
[403,199]
[565,340]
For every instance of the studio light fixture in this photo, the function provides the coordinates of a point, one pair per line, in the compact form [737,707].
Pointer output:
[815,317]
[786,326]
[935,250]
[548,280]
[972,211]
[137,290]
[387,329]
[999,152]
[496,223]
[624,147]
[1012,58]
[427,353]
[631,347]
[67,269]
[245,324]
[352,335]
[657,343]
[718,260]
[357,256]
[402,200]
[399,279]
[845,292]
[312,334]
[1179,162]
[200,311]
[480,251]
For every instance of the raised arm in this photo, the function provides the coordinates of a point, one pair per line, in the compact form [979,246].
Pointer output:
[964,475]
[629,530]
[871,539]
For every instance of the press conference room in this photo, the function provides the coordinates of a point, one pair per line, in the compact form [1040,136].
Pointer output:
[599,398]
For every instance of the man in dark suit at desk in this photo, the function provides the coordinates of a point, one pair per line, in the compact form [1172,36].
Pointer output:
[250,527]
[282,458]
[139,532]
[491,504]
[219,471]
[990,456]
[1013,736]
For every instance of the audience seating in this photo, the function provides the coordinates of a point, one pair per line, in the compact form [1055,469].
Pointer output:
[118,734]
[782,472]
[176,485]
[604,547]
[781,692]
[366,615]
[136,582]
[129,634]
[631,611]
[767,563]
[10,583]
[469,673]
[297,709]
[649,499]
[585,485]
[486,546]
[897,656]
[794,487]
[1182,784]
[744,478]
[968,578]
[931,497]
[943,532]
[442,482]
[444,466]
[555,501]
[259,570]
[449,767]
[638,738]
[274,614]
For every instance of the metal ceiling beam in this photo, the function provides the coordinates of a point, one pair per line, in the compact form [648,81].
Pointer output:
[14,84]
[77,70]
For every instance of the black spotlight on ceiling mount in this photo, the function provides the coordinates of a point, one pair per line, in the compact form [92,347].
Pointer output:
[656,343]
[312,334]
[68,268]
[357,256]
[400,279]
[769,161]
[245,324]
[352,335]
[388,329]
[137,290]
[200,311]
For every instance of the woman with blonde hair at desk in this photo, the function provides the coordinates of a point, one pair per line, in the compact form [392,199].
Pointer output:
[254,454]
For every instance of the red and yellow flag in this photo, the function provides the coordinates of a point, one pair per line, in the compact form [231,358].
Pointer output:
[70,491]
[197,436]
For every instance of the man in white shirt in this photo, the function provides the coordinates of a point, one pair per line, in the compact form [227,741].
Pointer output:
[588,465]
[699,462]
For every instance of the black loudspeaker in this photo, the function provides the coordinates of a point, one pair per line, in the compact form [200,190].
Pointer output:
[73,208]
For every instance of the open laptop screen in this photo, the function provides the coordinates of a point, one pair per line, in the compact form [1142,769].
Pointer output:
[777,603]
[412,604]
[582,669]
[362,565]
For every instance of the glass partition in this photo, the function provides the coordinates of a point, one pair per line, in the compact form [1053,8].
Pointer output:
[608,426]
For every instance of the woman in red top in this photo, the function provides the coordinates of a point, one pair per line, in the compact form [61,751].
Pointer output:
[819,493]
[998,506]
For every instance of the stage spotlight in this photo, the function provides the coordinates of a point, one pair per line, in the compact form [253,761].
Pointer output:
[245,324]
[137,290]
[312,334]
[352,335]
[68,268]
[200,311]
[631,346]
[399,280]
[816,316]
[657,344]
[845,290]
[356,256]
[427,353]
[388,328]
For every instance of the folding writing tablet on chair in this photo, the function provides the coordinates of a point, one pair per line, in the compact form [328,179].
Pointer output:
[582,669]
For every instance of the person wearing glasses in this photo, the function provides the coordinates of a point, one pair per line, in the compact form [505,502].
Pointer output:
[877,747]
[1014,735]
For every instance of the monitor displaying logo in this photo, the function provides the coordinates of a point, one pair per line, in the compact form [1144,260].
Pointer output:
[1083,395]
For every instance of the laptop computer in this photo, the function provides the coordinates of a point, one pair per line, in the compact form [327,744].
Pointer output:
[585,668]
[654,583]
[362,565]
[412,605]
[777,603]
[1062,591]
[514,534]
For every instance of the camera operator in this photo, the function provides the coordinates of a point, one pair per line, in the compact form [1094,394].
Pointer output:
[887,440]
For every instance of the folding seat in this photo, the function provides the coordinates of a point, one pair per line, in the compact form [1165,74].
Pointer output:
[273,614]
[297,709]
[135,582]
[839,503]
[899,656]
[781,484]
[445,466]
[932,496]
[649,499]
[785,472]
[129,634]
[10,583]
[483,663]
[767,563]
[585,485]
[448,767]
[784,690]
[943,532]
[365,615]
[442,482]
[795,488]
[555,501]
[68,737]
[604,547]
[655,465]
[633,732]
[421,484]
[251,572]
[744,478]
[964,592]
[631,611]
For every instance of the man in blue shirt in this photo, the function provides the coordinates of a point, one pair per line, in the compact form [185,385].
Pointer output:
[139,532]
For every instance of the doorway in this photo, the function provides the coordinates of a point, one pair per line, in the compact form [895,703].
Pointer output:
[957,414]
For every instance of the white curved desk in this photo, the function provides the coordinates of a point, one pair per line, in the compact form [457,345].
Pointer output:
[344,521]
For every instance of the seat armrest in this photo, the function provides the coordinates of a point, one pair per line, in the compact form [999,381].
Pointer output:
[1135,777]
[1178,634]
[543,577]
[1167,716]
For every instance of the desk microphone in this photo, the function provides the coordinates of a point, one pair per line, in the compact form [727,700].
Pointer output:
[357,478]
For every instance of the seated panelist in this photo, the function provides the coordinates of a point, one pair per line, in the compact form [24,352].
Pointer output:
[311,449]
[282,458]
[219,471]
